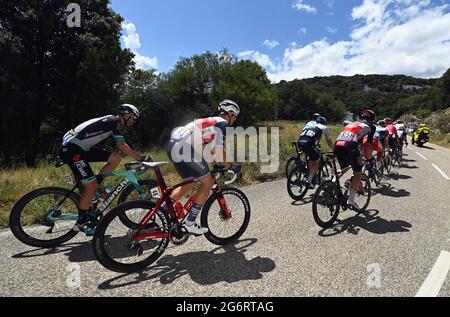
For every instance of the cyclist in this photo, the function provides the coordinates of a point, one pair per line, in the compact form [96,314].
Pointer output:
[402,137]
[194,167]
[309,141]
[348,149]
[312,123]
[81,147]
[394,141]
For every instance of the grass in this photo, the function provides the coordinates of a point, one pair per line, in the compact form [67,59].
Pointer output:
[442,139]
[14,183]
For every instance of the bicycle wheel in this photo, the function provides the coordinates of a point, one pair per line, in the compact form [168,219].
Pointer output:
[291,163]
[44,218]
[116,246]
[325,172]
[364,194]
[296,183]
[326,204]
[379,171]
[388,165]
[226,214]
[130,193]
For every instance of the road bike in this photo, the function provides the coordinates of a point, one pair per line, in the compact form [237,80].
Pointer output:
[45,217]
[332,196]
[119,248]
[297,182]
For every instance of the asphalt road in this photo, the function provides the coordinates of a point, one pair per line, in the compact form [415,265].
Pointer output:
[392,250]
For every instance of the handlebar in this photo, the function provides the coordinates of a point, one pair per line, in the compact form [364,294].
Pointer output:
[221,171]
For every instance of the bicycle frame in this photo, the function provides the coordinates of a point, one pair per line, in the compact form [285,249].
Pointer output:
[128,176]
[166,193]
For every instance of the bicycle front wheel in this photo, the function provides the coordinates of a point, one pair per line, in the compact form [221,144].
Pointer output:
[364,194]
[122,249]
[44,218]
[326,204]
[226,214]
[290,165]
[297,186]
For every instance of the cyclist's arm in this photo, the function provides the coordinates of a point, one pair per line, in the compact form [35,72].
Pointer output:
[128,151]
[328,139]
[221,156]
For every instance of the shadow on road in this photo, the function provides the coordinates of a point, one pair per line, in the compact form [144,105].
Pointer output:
[390,191]
[369,221]
[223,264]
[303,202]
[76,252]
[397,176]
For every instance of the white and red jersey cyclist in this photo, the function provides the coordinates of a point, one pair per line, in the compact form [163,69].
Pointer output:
[354,132]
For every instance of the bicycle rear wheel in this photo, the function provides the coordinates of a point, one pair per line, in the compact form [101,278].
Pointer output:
[379,171]
[226,214]
[44,218]
[327,204]
[120,249]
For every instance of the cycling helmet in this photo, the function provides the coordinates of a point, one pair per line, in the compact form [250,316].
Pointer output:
[368,115]
[129,109]
[423,125]
[316,116]
[388,120]
[381,123]
[401,128]
[229,106]
[321,120]
[347,122]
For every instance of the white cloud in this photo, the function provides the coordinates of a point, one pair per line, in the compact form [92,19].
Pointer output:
[301,6]
[132,41]
[331,30]
[303,30]
[329,3]
[410,37]
[271,44]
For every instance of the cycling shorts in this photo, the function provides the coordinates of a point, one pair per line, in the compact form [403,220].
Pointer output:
[310,150]
[349,155]
[193,166]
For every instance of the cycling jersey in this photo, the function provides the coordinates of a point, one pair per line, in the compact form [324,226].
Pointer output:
[207,130]
[392,130]
[355,132]
[93,132]
[314,134]
[310,124]
[210,129]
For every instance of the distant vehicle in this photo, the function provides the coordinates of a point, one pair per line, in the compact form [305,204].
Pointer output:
[412,127]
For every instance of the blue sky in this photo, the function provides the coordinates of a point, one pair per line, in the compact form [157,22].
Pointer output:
[303,38]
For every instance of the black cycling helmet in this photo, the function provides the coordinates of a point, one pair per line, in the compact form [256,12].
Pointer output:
[316,116]
[321,120]
[129,109]
[368,115]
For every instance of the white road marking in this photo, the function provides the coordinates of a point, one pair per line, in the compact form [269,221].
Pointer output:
[432,285]
[441,172]
[422,156]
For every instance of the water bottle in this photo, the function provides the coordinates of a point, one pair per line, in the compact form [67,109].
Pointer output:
[179,210]
[189,203]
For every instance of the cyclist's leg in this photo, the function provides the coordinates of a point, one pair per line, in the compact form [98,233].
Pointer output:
[98,154]
[357,166]
[77,159]
[314,158]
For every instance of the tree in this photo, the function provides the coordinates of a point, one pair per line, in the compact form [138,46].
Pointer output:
[53,76]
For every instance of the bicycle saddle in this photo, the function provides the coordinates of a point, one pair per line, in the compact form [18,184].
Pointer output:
[155,164]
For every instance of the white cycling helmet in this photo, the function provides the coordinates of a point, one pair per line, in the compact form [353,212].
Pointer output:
[229,106]
[129,109]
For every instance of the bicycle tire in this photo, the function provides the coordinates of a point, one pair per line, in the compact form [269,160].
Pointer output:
[211,235]
[368,189]
[17,228]
[299,173]
[290,165]
[100,239]
[331,188]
